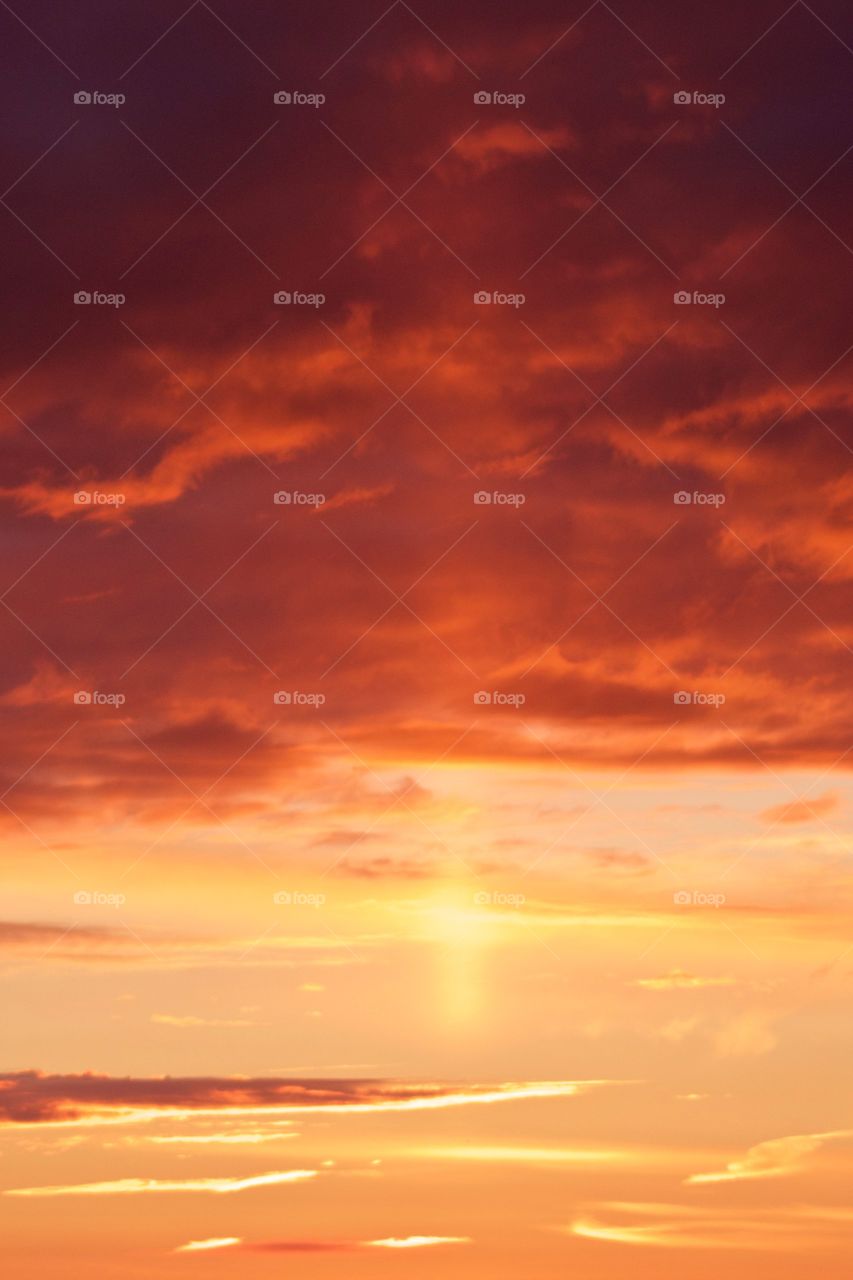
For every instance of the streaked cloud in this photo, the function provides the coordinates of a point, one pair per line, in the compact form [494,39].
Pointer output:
[236,1138]
[322,1246]
[776,1158]
[415,1242]
[30,1097]
[215,1242]
[799,1228]
[145,1186]
[678,980]
[192,1021]
[530,1155]
[803,810]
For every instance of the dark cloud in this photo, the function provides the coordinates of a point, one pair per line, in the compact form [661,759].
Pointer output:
[33,1097]
[389,598]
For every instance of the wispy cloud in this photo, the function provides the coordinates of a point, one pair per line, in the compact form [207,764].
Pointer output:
[415,1242]
[529,1155]
[190,1020]
[773,1159]
[237,1138]
[145,1186]
[803,810]
[678,980]
[321,1246]
[216,1242]
[677,1226]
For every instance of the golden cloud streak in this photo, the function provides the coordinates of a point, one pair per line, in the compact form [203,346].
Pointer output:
[143,1186]
[216,1242]
[416,1242]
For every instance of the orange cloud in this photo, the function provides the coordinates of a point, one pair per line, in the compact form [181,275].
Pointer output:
[803,810]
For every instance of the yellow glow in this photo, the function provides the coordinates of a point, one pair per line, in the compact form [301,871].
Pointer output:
[529,1155]
[416,1242]
[221,1242]
[140,1186]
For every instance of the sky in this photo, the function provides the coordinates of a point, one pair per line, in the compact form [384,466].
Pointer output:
[425,769]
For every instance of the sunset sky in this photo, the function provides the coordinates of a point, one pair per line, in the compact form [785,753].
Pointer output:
[426,760]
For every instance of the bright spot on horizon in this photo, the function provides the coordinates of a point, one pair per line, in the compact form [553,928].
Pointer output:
[416,1242]
[216,1242]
